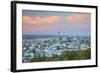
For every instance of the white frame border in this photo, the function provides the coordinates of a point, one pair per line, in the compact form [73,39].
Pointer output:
[52,64]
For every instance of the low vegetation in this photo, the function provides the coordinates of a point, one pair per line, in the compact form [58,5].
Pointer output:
[67,55]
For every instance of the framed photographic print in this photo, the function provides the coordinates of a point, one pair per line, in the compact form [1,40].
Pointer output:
[47,36]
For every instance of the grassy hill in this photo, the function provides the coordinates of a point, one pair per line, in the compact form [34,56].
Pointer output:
[67,55]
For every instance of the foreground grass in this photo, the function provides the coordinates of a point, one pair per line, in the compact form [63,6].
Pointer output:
[67,55]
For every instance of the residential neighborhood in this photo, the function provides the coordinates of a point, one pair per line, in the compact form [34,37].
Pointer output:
[49,47]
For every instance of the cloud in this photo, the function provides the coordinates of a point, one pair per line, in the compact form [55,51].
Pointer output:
[26,19]
[78,18]
[28,28]
[78,21]
[51,23]
[40,20]
[33,24]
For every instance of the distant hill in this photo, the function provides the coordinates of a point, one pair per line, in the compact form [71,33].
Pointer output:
[38,36]
[49,36]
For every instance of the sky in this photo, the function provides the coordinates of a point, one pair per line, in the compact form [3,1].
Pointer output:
[51,22]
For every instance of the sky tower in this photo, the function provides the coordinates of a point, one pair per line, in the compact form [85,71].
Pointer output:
[59,36]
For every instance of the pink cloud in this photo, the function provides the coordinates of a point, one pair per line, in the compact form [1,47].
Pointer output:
[33,24]
[78,26]
[77,17]
[83,26]
[36,24]
[29,28]
[40,20]
[26,19]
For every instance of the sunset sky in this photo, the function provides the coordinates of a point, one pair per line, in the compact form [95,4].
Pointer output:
[52,22]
